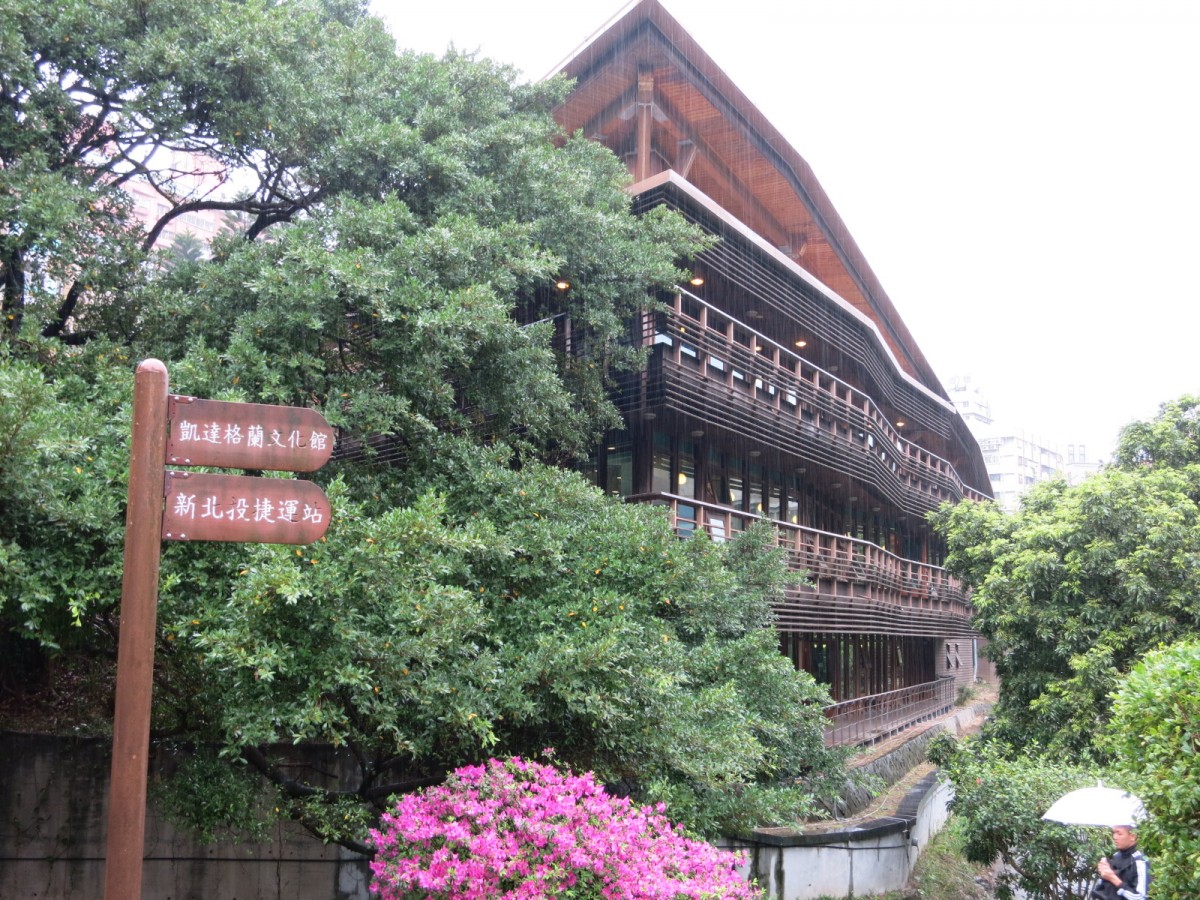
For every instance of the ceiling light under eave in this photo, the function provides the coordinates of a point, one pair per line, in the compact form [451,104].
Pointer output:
[801,343]
[696,281]
[562,284]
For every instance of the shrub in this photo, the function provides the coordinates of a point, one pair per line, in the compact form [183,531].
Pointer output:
[999,799]
[941,748]
[519,829]
[1155,732]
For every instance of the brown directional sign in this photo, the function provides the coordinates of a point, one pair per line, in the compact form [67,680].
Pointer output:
[205,507]
[246,436]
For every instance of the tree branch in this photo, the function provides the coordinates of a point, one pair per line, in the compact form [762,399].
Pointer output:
[12,305]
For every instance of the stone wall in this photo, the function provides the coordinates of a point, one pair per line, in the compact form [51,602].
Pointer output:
[890,767]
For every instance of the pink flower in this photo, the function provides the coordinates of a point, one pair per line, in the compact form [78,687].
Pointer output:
[520,830]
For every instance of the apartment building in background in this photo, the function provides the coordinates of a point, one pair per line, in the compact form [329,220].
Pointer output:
[1016,458]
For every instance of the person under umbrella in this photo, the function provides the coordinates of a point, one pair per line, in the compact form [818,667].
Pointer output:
[1126,876]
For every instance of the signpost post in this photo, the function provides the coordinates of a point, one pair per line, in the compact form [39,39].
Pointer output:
[135,651]
[193,506]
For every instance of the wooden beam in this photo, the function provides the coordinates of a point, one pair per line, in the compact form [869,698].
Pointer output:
[645,124]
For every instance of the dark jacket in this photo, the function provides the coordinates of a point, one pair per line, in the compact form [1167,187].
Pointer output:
[1134,870]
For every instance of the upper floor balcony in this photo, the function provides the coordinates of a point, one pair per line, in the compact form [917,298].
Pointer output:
[723,373]
[853,585]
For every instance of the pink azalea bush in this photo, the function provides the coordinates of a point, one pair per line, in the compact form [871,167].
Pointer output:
[520,830]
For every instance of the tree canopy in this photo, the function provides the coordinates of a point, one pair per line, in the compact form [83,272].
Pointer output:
[1088,596]
[1154,736]
[1076,586]
[397,228]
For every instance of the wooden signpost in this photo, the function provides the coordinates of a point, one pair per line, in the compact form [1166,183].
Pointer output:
[193,506]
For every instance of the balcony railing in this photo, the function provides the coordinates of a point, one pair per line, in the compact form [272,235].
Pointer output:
[795,401]
[866,720]
[842,568]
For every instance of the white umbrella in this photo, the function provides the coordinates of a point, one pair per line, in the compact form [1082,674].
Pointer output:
[1103,806]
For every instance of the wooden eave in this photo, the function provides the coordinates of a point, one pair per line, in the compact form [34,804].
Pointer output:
[645,89]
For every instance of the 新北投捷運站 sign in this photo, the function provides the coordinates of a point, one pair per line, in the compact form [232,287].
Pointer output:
[204,507]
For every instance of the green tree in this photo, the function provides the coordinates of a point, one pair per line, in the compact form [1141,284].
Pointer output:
[1155,737]
[546,616]
[97,94]
[1076,593]
[468,599]
[1073,588]
[185,248]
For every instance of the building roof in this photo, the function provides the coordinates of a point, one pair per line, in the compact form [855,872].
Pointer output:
[646,89]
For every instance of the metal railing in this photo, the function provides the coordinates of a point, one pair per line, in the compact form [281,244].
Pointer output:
[866,720]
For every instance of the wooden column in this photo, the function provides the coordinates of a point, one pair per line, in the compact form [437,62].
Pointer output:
[645,122]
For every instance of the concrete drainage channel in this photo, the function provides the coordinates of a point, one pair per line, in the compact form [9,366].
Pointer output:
[868,855]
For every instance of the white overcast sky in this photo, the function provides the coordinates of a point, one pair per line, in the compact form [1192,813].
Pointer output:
[1022,175]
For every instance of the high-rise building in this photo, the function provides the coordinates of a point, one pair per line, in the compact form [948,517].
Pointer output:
[782,383]
[1015,457]
[181,178]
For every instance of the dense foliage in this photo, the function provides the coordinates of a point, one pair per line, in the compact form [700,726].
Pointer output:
[999,798]
[1155,735]
[393,221]
[1077,593]
[1074,587]
[519,829]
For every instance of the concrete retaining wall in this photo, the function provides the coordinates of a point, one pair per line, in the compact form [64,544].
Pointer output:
[894,765]
[871,858]
[53,821]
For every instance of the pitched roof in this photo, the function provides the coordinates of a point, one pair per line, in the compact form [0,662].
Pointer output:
[644,67]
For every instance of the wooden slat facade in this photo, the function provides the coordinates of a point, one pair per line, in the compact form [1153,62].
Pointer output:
[785,385]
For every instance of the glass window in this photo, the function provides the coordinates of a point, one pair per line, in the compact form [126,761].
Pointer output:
[756,490]
[661,480]
[619,472]
[589,468]
[686,479]
[685,520]
[715,487]
[735,493]
[775,497]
